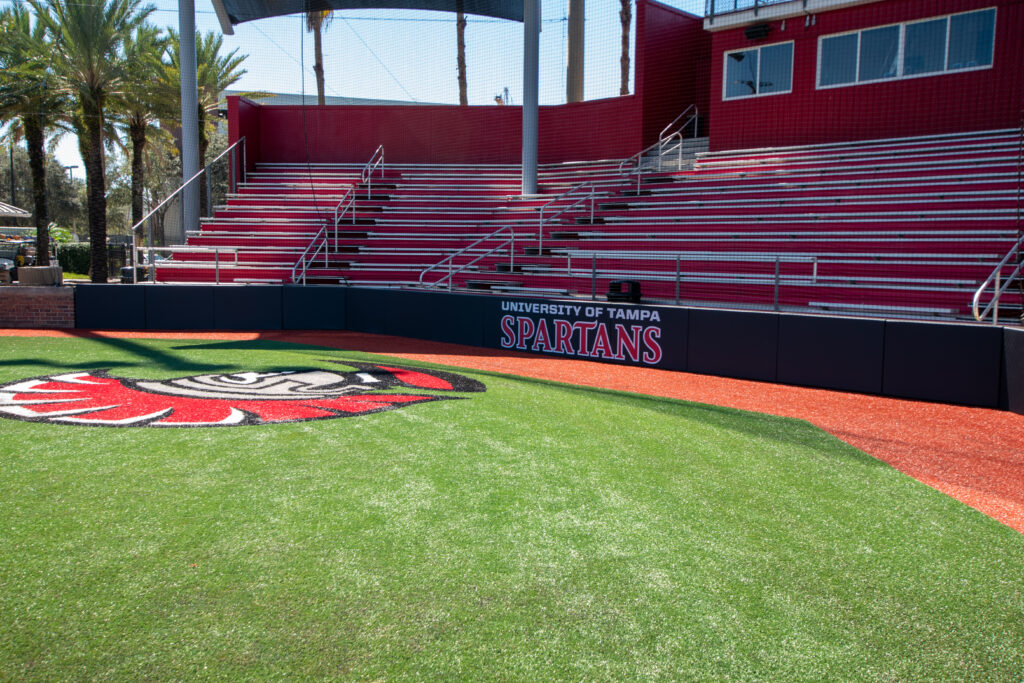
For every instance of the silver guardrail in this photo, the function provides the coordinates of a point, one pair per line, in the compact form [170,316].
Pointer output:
[999,282]
[237,148]
[183,249]
[306,259]
[588,191]
[450,259]
[777,280]
[667,134]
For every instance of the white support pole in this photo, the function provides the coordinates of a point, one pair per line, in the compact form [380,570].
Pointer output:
[189,113]
[531,61]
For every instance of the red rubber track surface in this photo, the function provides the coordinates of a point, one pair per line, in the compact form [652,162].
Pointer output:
[975,455]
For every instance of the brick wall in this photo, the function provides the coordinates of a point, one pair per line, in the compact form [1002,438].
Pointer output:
[42,307]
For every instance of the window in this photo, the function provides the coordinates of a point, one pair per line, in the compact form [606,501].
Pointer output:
[933,46]
[759,71]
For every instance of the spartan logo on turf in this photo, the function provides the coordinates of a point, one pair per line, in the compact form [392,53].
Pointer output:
[245,398]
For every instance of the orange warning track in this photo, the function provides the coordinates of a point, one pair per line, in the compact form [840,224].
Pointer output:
[975,455]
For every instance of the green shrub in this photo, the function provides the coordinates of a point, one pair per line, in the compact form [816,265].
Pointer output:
[73,258]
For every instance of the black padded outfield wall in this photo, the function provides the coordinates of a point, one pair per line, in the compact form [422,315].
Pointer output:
[978,365]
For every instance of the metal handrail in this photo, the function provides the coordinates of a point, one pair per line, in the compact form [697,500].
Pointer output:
[304,263]
[994,278]
[349,201]
[777,259]
[450,259]
[238,144]
[191,250]
[591,195]
[711,6]
[376,161]
[365,177]
[663,139]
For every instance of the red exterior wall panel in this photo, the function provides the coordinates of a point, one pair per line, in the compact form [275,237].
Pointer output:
[673,56]
[951,102]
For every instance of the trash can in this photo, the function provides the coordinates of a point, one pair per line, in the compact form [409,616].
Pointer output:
[624,290]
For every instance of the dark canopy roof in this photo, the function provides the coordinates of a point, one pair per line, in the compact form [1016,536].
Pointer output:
[231,12]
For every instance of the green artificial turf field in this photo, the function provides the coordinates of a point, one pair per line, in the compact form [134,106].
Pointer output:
[534,531]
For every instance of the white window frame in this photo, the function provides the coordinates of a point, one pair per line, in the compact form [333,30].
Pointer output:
[725,72]
[901,52]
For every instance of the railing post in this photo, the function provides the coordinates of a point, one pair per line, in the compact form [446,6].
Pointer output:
[216,265]
[450,275]
[150,269]
[995,307]
[244,169]
[209,192]
[776,297]
[593,277]
[234,169]
[678,258]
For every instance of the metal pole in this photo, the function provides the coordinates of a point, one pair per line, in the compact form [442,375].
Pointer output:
[677,279]
[574,52]
[234,168]
[995,307]
[216,265]
[209,192]
[776,283]
[10,149]
[593,277]
[150,270]
[531,61]
[189,113]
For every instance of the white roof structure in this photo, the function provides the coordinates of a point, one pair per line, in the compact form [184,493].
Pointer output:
[8,211]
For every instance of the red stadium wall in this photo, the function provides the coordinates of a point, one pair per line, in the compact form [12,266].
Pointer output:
[974,100]
[442,134]
[673,53]
[670,58]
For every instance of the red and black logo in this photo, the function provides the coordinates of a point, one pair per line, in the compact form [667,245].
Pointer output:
[244,398]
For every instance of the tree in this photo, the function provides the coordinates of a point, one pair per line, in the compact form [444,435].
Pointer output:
[625,17]
[87,38]
[460,40]
[142,102]
[28,104]
[316,22]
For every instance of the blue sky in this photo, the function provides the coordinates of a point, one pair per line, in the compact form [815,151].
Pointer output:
[405,55]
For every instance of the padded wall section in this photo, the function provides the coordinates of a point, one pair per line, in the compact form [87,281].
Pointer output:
[314,307]
[249,307]
[450,318]
[179,307]
[831,353]
[1012,385]
[948,363]
[110,307]
[733,344]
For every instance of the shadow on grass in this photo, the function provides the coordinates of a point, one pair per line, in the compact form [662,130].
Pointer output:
[148,356]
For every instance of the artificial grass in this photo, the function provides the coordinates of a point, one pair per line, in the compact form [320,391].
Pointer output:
[532,532]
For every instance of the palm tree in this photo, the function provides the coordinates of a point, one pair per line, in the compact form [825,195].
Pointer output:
[460,40]
[625,17]
[28,104]
[143,101]
[87,38]
[316,22]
